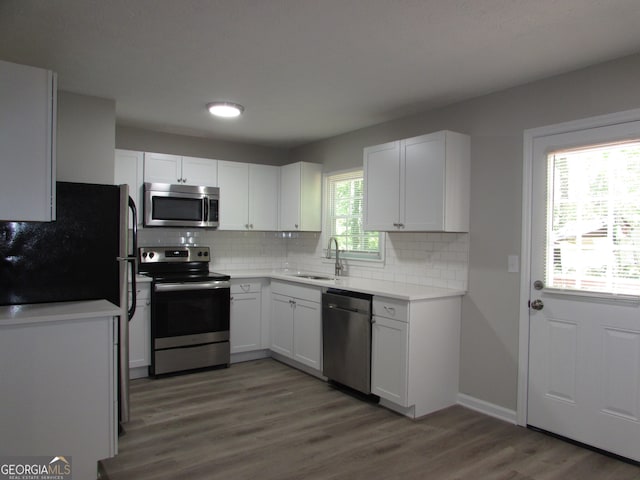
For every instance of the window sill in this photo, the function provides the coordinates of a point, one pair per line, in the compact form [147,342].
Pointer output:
[353,262]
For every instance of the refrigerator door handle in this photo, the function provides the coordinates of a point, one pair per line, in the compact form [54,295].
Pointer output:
[132,258]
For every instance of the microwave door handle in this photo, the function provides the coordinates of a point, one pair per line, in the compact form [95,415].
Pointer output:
[205,200]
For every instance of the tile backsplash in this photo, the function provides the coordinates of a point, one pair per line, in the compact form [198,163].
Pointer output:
[433,259]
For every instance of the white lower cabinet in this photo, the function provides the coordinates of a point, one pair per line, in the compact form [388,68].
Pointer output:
[296,323]
[58,383]
[307,333]
[245,321]
[389,342]
[140,332]
[415,354]
[282,325]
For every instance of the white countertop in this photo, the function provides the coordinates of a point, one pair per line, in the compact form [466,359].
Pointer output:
[56,312]
[401,291]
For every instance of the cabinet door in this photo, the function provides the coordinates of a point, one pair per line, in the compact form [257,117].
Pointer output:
[382,187]
[245,332]
[199,171]
[289,197]
[282,325]
[310,197]
[389,360]
[162,168]
[140,336]
[307,333]
[263,197]
[27,143]
[422,181]
[129,167]
[233,180]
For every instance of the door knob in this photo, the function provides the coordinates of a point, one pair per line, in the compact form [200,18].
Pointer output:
[537,305]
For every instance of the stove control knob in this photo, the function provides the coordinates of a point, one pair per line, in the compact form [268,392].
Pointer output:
[206,254]
[151,254]
[199,254]
[144,254]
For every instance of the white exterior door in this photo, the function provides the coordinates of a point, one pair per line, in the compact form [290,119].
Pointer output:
[584,286]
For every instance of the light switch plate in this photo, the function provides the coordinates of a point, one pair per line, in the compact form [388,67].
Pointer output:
[513,264]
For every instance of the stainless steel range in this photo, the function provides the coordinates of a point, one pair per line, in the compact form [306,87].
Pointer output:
[189,309]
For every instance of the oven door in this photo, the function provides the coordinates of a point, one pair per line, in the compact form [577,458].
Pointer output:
[189,313]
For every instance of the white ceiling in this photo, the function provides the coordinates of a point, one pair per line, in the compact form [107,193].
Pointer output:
[305,69]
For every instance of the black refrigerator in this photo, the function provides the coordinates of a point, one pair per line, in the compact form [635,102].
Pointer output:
[85,254]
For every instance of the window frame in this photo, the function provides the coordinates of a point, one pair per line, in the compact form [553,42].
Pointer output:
[354,258]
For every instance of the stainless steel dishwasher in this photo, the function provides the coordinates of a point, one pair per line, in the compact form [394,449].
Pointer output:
[346,338]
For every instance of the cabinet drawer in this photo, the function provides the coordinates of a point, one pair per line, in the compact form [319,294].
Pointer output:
[312,294]
[245,287]
[391,308]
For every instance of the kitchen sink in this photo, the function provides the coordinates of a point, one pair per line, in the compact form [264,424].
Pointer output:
[313,277]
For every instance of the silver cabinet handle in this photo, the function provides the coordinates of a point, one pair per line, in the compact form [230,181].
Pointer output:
[186,286]
[390,310]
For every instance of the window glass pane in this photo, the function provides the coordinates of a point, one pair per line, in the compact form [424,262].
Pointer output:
[593,228]
[345,201]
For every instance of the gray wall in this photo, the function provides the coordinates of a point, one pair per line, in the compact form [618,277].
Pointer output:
[130,138]
[85,138]
[489,340]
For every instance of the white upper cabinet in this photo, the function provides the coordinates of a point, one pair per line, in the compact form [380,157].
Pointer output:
[264,181]
[301,197]
[233,180]
[27,143]
[129,167]
[248,196]
[418,184]
[165,168]
[199,171]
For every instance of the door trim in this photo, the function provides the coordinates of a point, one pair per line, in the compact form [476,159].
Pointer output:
[530,135]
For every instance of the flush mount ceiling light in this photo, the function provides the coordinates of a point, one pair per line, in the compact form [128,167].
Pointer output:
[225,109]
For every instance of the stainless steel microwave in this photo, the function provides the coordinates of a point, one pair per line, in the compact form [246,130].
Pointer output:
[169,205]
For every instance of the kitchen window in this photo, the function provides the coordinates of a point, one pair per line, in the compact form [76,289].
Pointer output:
[344,197]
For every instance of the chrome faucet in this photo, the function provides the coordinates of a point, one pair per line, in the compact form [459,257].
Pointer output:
[338,265]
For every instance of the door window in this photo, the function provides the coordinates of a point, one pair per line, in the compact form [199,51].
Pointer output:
[593,219]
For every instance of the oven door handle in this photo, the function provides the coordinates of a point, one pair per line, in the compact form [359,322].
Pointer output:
[190,286]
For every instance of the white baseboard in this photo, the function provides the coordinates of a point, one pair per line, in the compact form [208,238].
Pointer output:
[487,408]
[248,356]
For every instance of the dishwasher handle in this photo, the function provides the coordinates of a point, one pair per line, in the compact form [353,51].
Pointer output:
[333,306]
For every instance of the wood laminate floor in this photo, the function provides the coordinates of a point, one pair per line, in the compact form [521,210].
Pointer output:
[265,420]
